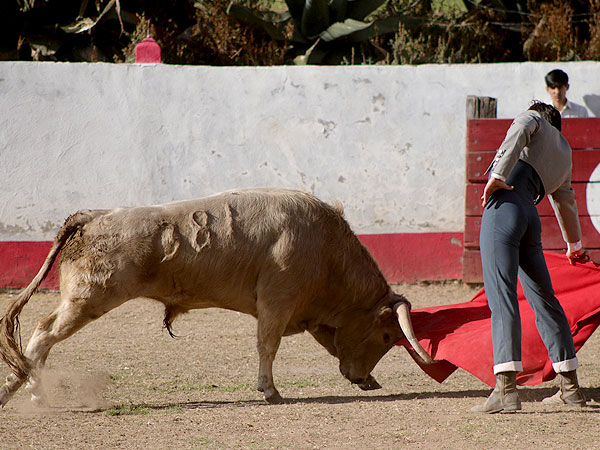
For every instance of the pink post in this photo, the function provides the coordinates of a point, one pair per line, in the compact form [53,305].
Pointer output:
[147,51]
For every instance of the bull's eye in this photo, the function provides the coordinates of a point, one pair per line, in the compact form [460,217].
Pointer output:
[386,338]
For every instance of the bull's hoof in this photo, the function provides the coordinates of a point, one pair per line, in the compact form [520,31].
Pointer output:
[39,401]
[370,384]
[274,399]
[38,396]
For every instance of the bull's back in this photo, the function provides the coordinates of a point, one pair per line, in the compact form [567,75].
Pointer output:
[210,250]
[240,234]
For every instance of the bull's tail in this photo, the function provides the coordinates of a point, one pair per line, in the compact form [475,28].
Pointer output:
[10,350]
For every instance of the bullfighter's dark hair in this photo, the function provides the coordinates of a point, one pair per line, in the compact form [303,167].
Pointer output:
[548,112]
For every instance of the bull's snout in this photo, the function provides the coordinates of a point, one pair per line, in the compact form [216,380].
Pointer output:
[350,375]
[366,383]
[369,384]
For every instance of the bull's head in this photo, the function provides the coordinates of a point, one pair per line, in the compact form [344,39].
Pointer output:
[363,342]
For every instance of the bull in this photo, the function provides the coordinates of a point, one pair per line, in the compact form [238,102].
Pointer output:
[282,256]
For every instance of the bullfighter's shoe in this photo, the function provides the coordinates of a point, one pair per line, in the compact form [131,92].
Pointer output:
[504,397]
[569,393]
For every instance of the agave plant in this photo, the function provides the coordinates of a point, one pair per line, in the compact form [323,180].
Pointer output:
[325,31]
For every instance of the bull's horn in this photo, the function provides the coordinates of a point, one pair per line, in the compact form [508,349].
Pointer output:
[403,312]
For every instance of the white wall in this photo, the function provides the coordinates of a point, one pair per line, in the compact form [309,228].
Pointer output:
[387,141]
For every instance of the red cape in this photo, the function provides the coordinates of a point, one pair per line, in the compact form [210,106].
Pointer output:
[460,335]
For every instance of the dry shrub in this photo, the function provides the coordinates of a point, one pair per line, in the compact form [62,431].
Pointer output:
[548,31]
[592,49]
[142,30]
[563,31]
[470,38]
[553,37]
[221,40]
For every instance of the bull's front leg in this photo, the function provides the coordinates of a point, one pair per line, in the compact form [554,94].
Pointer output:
[267,348]
[269,335]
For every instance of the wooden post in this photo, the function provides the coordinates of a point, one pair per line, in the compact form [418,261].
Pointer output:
[481,107]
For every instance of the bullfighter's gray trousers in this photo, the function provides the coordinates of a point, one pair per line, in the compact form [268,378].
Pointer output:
[511,247]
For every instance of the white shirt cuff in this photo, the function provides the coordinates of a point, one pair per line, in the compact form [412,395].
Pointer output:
[574,246]
[499,177]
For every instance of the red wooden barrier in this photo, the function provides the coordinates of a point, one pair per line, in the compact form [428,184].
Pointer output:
[484,136]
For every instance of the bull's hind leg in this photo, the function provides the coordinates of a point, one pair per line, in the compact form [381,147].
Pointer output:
[62,323]
[71,315]
[12,385]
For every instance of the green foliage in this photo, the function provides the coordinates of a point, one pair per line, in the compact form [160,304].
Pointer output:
[127,410]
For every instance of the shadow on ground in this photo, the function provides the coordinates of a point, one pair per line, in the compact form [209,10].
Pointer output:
[526,395]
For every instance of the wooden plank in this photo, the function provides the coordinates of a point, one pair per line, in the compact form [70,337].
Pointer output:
[551,234]
[488,134]
[582,133]
[472,229]
[477,164]
[584,163]
[474,191]
[472,264]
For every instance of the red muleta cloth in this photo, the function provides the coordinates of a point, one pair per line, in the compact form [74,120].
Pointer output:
[460,335]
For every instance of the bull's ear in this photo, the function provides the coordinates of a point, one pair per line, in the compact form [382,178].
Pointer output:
[386,313]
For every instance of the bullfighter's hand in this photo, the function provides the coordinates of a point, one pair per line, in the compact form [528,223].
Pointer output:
[492,186]
[578,256]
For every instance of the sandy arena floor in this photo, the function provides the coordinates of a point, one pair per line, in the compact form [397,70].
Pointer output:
[122,382]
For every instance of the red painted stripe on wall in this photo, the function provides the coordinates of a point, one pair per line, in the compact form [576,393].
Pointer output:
[21,261]
[403,258]
[410,257]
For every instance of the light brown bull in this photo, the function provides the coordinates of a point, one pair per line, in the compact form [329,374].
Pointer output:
[284,257]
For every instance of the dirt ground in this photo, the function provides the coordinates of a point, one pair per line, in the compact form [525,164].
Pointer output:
[122,382]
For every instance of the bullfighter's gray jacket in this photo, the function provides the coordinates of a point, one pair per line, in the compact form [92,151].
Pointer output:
[534,140]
